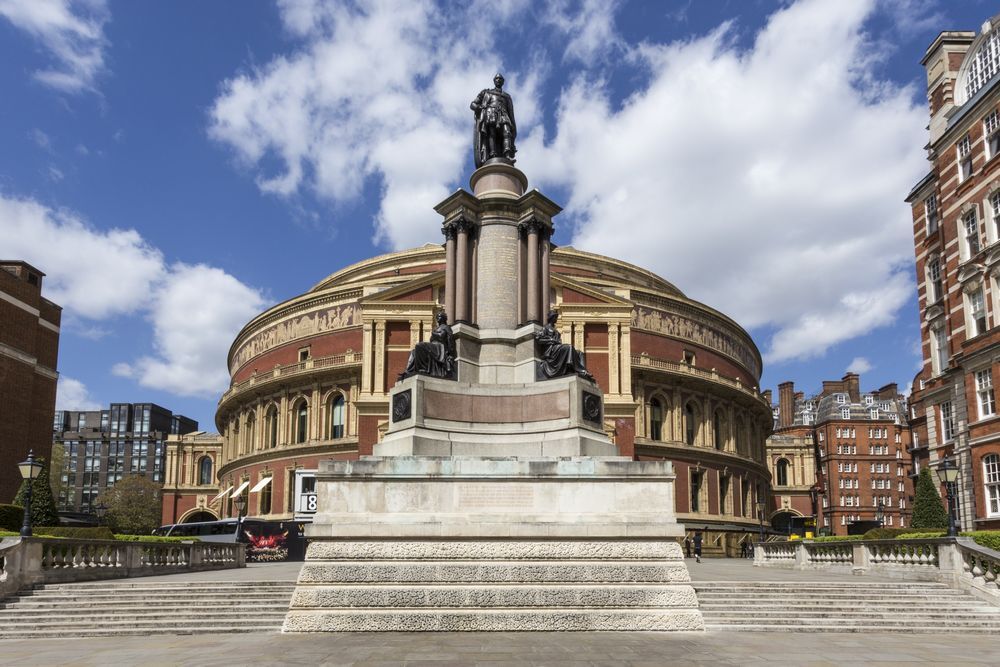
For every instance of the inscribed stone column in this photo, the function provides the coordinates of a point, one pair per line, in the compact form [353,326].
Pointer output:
[532,296]
[449,271]
[462,272]
[522,254]
[379,379]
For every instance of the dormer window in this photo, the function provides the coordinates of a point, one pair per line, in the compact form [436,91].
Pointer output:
[845,413]
[964,148]
[841,398]
[873,413]
[869,399]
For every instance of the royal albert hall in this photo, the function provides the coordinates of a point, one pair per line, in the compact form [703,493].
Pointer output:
[310,381]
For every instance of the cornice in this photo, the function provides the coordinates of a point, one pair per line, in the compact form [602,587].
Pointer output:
[284,452]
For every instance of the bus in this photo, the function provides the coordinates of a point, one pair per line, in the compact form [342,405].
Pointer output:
[267,541]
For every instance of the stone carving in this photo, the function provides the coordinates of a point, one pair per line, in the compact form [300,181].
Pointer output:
[591,407]
[678,326]
[557,358]
[495,127]
[309,324]
[436,357]
[401,406]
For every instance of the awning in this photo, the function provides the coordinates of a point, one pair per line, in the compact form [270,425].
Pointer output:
[260,485]
[228,489]
[239,490]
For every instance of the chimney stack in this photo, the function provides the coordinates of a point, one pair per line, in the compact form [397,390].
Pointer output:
[786,404]
[852,385]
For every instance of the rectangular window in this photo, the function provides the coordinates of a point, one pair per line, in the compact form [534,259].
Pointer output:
[936,291]
[977,311]
[991,478]
[964,148]
[984,393]
[873,413]
[971,227]
[695,491]
[931,211]
[845,413]
[947,422]
[991,130]
[939,345]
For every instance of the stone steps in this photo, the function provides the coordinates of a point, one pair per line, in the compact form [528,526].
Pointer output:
[154,608]
[508,585]
[842,607]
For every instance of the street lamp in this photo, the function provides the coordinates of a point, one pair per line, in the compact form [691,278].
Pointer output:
[241,504]
[880,513]
[949,472]
[101,510]
[30,470]
[760,516]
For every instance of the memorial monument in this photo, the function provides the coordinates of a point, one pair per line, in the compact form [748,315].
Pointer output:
[495,501]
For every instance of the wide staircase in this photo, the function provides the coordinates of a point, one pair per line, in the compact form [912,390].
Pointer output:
[153,608]
[848,606]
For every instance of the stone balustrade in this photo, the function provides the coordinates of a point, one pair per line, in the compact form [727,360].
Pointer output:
[959,562]
[31,561]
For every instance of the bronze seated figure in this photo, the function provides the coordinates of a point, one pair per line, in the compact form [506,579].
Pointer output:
[557,359]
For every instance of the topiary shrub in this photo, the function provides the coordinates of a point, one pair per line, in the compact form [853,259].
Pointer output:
[11,517]
[75,533]
[885,533]
[916,535]
[928,510]
[985,538]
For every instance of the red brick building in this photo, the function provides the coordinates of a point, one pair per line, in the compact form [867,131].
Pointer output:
[29,350]
[956,229]
[310,381]
[860,456]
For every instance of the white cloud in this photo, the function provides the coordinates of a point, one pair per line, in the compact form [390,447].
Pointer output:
[195,311]
[377,90]
[96,274]
[589,25]
[195,315]
[859,365]
[73,395]
[72,31]
[766,183]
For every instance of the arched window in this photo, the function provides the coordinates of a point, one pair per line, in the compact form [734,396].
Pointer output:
[720,436]
[205,470]
[655,420]
[781,469]
[250,431]
[271,426]
[301,412]
[690,424]
[991,479]
[335,417]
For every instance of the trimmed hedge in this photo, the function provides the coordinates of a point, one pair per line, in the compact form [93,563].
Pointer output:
[836,538]
[886,533]
[75,533]
[154,538]
[985,538]
[921,535]
[11,517]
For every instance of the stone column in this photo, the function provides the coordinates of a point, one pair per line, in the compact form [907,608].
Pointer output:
[546,278]
[449,271]
[462,272]
[532,296]
[379,379]
[522,254]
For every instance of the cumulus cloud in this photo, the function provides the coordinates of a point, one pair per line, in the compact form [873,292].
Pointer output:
[195,315]
[72,31]
[764,182]
[376,91]
[859,365]
[588,25]
[194,310]
[73,395]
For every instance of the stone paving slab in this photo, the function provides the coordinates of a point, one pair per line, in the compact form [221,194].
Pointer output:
[560,649]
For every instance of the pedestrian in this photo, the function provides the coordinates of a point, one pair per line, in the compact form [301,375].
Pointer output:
[687,546]
[697,547]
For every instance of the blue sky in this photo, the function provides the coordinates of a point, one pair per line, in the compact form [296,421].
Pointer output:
[176,167]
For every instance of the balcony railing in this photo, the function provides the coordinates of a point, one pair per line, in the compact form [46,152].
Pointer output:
[678,368]
[343,360]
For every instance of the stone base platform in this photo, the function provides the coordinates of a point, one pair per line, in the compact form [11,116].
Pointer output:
[493,585]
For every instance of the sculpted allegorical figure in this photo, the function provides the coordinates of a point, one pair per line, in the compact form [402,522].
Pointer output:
[435,357]
[557,358]
[495,127]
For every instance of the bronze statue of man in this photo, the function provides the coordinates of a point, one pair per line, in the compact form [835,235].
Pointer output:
[495,126]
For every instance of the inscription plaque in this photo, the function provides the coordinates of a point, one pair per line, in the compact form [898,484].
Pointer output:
[495,496]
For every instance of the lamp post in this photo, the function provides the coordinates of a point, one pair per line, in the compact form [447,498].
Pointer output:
[880,514]
[100,510]
[760,517]
[241,504]
[949,472]
[30,470]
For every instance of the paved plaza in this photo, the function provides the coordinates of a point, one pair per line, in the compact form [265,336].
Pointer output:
[587,648]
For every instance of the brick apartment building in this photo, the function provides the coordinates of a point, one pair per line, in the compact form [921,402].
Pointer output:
[97,448]
[956,229]
[29,350]
[860,457]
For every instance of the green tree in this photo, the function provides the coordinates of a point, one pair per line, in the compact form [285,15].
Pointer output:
[133,504]
[928,510]
[43,507]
